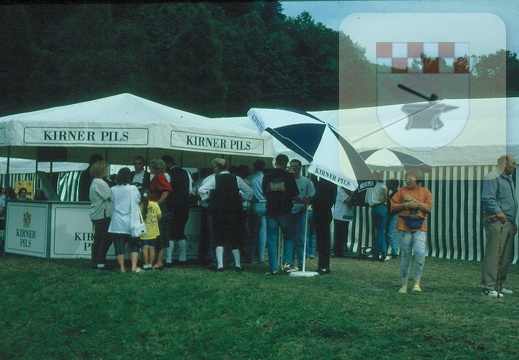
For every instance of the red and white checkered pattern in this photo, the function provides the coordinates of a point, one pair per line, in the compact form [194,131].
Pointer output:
[423,57]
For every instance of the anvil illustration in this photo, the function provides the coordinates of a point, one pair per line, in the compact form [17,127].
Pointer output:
[425,116]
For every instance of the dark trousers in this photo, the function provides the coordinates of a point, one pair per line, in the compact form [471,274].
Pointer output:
[228,227]
[340,236]
[204,243]
[322,220]
[102,241]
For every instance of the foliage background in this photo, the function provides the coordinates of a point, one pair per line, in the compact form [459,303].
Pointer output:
[210,58]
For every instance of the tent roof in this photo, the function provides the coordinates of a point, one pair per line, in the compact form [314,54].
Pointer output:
[482,130]
[115,109]
[119,127]
[122,126]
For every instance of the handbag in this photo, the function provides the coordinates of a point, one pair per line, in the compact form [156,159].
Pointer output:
[413,222]
[138,228]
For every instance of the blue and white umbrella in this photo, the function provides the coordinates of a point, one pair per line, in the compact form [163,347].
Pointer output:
[329,155]
[393,159]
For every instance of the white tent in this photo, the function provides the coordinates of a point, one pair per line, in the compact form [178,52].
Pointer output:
[122,126]
[482,130]
[477,132]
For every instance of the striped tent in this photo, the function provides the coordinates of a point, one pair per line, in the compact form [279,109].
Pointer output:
[455,229]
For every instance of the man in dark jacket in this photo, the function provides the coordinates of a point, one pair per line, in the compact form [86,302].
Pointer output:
[322,202]
[85,179]
[280,189]
[177,205]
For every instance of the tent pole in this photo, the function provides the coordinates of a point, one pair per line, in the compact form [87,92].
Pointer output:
[35,178]
[7,184]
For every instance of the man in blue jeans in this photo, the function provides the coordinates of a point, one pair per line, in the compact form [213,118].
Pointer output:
[280,189]
[376,198]
[256,214]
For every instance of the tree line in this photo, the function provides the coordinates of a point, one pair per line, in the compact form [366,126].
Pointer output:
[210,58]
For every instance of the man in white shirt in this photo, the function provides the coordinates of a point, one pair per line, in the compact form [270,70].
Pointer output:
[225,194]
[140,177]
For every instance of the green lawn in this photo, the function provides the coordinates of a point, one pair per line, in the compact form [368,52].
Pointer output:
[64,310]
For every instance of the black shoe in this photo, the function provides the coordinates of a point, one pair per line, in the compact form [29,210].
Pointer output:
[323,271]
[219,269]
[168,265]
[237,268]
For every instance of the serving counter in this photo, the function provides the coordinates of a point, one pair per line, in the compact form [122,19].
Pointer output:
[63,230]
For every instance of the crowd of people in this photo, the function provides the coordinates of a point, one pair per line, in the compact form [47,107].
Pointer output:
[245,213]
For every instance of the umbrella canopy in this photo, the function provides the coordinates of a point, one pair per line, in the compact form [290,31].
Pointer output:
[387,158]
[329,155]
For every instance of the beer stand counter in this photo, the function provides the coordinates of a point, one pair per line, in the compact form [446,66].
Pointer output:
[63,230]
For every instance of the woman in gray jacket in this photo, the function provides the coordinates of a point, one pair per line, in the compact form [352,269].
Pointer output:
[100,213]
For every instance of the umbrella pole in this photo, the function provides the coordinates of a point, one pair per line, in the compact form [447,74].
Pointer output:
[304,273]
[305,238]
[280,248]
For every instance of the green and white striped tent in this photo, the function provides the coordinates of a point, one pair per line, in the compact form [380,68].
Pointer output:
[490,129]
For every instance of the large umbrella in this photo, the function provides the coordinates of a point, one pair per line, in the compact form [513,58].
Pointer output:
[329,155]
[387,158]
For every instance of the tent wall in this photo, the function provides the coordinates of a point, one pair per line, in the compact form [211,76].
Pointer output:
[13,178]
[68,185]
[455,230]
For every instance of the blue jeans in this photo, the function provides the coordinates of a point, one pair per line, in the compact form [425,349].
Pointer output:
[298,229]
[412,242]
[258,230]
[392,237]
[274,222]
[311,239]
[379,216]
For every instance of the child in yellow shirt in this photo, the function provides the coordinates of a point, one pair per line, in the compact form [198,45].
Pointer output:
[151,214]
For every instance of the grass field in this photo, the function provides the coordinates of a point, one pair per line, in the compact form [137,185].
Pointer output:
[64,310]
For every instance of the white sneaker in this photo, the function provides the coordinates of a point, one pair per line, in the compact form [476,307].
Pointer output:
[403,289]
[287,268]
[388,257]
[416,289]
[491,293]
[506,291]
